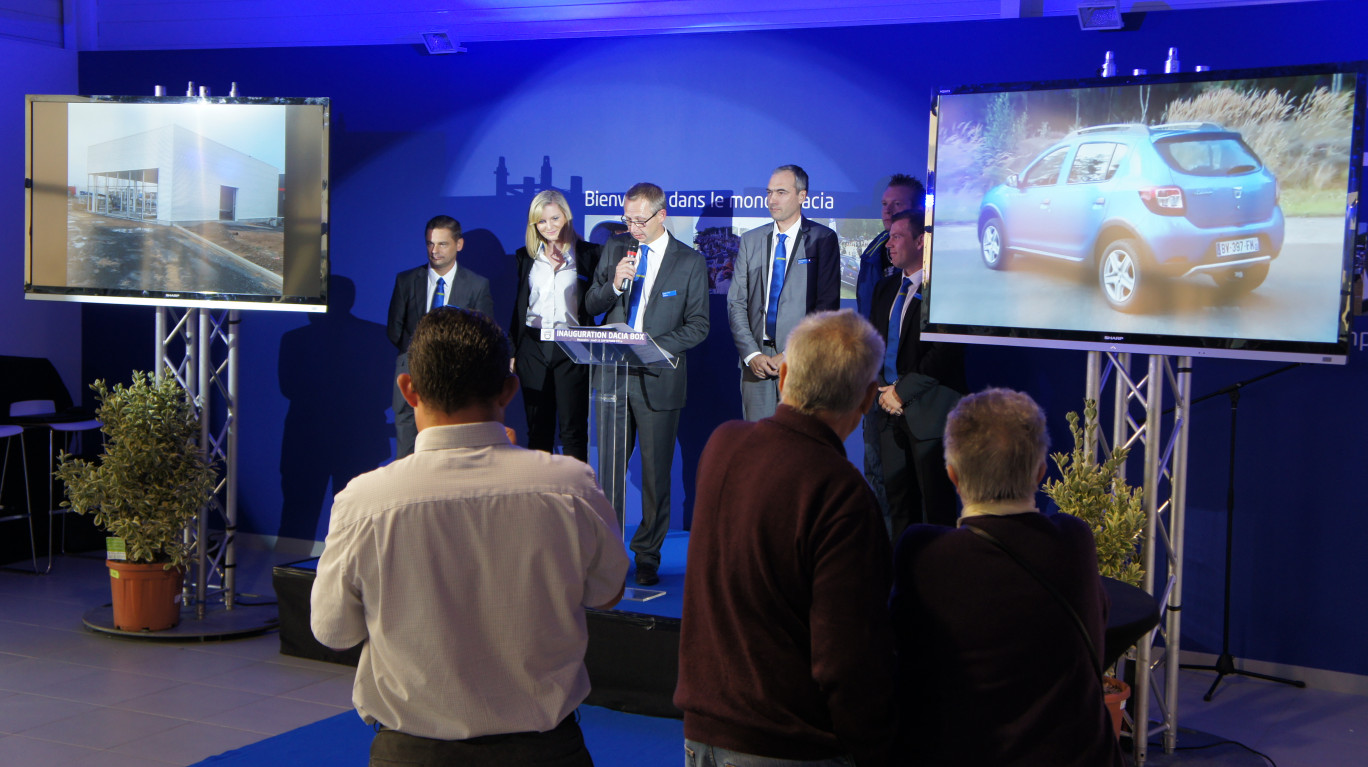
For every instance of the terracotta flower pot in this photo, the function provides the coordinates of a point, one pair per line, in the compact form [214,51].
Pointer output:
[1116,694]
[146,597]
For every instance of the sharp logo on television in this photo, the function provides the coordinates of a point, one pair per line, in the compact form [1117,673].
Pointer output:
[1175,213]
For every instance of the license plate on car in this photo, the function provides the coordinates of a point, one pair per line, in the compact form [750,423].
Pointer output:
[1237,247]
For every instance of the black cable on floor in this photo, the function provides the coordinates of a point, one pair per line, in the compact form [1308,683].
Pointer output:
[1259,754]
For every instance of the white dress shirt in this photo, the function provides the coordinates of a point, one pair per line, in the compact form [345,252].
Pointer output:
[911,290]
[553,293]
[465,568]
[432,286]
[653,259]
[790,240]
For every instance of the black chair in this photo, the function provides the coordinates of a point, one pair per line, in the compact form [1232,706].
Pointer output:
[8,432]
[34,396]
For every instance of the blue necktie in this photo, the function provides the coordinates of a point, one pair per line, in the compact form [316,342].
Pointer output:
[638,285]
[776,287]
[890,366]
[439,295]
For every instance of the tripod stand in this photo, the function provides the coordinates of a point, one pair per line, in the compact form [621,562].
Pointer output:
[1225,662]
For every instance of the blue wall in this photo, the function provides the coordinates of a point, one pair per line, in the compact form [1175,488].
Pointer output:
[31,328]
[414,135]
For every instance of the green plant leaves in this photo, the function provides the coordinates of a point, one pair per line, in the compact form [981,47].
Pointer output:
[151,479]
[1099,495]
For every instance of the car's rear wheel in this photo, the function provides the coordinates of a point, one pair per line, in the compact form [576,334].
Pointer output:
[993,244]
[1123,277]
[1241,281]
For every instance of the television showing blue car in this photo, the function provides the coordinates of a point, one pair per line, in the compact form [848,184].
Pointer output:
[1141,205]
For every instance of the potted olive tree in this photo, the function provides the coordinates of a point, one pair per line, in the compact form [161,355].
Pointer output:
[1098,494]
[145,487]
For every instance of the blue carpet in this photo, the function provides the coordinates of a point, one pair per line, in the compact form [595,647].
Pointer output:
[615,739]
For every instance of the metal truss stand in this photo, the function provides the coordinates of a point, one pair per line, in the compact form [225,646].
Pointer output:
[1138,418]
[200,348]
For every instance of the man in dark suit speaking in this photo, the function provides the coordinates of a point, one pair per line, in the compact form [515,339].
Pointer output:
[921,381]
[783,272]
[666,296]
[437,283]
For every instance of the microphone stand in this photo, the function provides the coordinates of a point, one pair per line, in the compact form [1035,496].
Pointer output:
[1225,662]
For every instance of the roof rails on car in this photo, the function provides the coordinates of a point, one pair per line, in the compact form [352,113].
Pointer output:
[1113,128]
[1189,125]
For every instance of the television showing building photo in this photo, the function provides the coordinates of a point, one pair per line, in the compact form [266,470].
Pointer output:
[176,197]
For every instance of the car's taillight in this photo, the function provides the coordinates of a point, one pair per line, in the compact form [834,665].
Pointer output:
[1164,200]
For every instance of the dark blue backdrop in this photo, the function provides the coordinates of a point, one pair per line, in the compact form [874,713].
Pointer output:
[414,135]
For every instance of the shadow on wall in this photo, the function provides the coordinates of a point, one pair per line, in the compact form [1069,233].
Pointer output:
[335,371]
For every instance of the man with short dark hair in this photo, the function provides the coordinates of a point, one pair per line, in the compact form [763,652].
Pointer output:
[785,650]
[903,193]
[666,297]
[1004,617]
[416,291]
[922,381]
[782,273]
[465,569]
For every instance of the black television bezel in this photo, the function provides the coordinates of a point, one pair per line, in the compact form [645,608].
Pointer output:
[1173,345]
[182,299]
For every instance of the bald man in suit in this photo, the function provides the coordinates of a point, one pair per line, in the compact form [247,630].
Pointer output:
[783,272]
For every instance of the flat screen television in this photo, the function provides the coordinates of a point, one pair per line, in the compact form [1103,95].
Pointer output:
[178,201]
[1205,214]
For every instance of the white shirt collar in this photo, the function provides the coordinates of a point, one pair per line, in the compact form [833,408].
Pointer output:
[449,276]
[568,252]
[997,509]
[659,244]
[792,231]
[453,436]
[916,281]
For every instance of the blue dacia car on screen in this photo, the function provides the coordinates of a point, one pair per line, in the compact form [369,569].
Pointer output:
[1141,204]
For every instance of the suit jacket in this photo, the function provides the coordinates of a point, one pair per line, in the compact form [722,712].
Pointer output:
[408,304]
[815,252]
[930,373]
[586,258]
[873,262]
[676,312]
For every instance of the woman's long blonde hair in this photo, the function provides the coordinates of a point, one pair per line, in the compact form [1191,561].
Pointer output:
[568,236]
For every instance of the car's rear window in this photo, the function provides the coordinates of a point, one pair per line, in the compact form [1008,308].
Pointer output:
[1208,155]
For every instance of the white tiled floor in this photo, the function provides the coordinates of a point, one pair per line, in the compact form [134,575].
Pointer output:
[70,697]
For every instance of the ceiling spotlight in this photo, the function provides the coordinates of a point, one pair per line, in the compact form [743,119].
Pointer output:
[441,42]
[1099,14]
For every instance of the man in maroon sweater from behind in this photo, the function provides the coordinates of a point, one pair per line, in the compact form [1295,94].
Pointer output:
[786,651]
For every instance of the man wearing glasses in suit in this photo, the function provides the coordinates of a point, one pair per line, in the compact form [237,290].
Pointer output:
[658,285]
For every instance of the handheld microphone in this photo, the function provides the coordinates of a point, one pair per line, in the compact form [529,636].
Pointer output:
[627,281]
